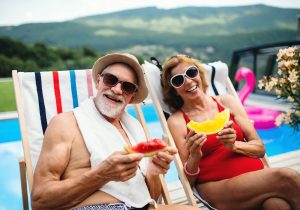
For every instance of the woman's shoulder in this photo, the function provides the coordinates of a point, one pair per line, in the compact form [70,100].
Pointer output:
[177,124]
[176,119]
[227,100]
[233,104]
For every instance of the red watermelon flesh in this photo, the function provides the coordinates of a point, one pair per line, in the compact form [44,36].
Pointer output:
[148,148]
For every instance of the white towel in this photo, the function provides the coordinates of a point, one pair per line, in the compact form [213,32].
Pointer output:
[102,139]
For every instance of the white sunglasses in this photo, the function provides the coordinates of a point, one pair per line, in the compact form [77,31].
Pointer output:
[178,79]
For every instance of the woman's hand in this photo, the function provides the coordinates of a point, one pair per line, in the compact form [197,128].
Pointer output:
[227,136]
[194,143]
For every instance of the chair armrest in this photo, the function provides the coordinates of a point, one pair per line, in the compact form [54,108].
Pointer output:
[22,167]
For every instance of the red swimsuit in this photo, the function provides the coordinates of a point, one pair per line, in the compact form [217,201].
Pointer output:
[219,163]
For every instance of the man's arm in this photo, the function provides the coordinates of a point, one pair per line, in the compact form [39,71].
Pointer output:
[50,191]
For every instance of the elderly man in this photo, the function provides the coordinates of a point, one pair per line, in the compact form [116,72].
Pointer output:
[82,164]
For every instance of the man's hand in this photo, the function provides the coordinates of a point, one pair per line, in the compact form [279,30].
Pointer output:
[119,166]
[160,163]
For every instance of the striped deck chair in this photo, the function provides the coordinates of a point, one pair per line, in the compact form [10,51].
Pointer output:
[219,83]
[39,97]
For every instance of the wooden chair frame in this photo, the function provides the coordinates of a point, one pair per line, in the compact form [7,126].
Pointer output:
[166,132]
[25,164]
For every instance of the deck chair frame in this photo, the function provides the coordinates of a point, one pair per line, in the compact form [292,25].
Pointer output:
[166,132]
[25,164]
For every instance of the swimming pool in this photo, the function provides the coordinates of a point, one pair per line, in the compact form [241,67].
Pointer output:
[277,140]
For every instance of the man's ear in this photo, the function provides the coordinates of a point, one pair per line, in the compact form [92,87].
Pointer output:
[132,97]
[97,82]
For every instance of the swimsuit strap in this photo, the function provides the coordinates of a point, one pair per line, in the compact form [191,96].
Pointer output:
[186,118]
[220,107]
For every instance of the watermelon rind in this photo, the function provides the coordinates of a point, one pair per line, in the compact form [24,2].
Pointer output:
[147,154]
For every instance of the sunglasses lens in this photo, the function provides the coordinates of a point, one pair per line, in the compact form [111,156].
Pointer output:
[110,80]
[192,72]
[128,87]
[177,81]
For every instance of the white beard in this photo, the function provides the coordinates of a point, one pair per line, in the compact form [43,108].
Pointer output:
[109,110]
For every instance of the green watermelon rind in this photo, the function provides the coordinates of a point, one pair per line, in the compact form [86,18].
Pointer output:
[147,154]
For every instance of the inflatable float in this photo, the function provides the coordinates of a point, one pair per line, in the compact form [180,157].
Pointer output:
[263,118]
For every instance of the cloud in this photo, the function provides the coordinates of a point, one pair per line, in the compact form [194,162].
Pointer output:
[29,14]
[15,12]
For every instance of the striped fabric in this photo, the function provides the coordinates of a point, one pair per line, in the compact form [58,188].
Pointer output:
[216,75]
[46,94]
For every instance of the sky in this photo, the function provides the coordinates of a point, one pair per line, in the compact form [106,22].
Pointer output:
[16,12]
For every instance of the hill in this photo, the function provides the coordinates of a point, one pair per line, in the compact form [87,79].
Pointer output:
[205,32]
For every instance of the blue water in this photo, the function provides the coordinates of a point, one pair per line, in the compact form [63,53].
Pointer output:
[280,140]
[10,187]
[277,140]
[9,130]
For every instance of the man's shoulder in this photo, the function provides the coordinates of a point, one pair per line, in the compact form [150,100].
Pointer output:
[63,118]
[62,123]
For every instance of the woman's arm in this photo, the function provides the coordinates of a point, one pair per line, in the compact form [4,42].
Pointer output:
[253,146]
[188,145]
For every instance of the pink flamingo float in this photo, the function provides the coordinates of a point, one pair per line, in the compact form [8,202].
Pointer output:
[263,118]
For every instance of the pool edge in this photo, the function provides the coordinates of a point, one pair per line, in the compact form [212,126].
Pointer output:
[8,115]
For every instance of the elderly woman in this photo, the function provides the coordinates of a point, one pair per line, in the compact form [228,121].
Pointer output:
[225,167]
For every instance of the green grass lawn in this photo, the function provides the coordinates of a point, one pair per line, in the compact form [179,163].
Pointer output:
[7,96]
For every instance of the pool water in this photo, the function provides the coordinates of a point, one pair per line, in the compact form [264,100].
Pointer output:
[280,140]
[277,141]
[10,187]
[9,130]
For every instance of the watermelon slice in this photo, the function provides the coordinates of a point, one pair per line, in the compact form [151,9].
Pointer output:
[148,148]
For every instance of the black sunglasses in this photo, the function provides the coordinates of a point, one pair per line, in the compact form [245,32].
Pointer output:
[111,81]
[178,79]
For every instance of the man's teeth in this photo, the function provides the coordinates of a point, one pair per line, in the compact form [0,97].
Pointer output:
[192,88]
[113,98]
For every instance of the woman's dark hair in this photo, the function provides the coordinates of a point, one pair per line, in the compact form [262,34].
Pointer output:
[170,96]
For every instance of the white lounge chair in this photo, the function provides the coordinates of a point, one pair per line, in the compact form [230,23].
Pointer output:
[39,97]
[219,83]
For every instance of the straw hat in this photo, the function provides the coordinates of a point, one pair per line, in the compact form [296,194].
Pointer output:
[130,60]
